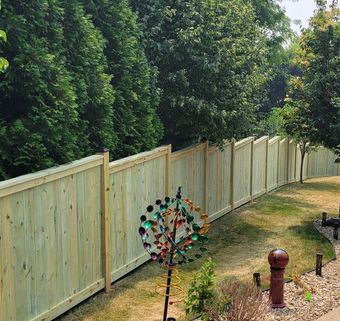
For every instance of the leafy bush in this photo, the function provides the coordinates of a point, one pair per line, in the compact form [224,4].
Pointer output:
[201,288]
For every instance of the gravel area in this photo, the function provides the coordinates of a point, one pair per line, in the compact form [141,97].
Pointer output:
[327,290]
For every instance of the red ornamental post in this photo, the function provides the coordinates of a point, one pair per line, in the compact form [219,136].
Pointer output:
[278,259]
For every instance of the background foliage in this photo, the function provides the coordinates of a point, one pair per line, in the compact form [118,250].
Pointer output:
[131,75]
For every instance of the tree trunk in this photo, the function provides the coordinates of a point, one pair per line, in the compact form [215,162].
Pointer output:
[303,153]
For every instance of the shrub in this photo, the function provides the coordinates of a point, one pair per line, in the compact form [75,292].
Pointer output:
[237,301]
[201,288]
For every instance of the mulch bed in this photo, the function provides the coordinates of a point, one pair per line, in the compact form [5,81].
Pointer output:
[327,289]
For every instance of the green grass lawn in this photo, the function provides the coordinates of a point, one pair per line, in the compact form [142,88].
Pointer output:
[239,244]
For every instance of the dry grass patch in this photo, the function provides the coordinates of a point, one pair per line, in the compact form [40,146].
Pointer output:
[239,244]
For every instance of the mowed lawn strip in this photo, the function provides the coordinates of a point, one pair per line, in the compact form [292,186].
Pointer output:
[239,244]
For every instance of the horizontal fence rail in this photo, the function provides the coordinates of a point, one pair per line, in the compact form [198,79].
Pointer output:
[70,231]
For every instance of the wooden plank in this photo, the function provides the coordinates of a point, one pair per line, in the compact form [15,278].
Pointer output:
[258,194]
[251,168]
[8,275]
[242,201]
[168,182]
[127,162]
[220,213]
[106,219]
[70,302]
[266,165]
[24,182]
[189,150]
[274,140]
[232,175]
[261,140]
[243,142]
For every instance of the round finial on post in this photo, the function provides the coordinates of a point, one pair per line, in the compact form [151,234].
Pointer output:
[278,259]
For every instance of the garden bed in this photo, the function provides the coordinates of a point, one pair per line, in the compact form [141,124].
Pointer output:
[327,290]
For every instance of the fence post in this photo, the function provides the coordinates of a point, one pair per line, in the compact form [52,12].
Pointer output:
[206,177]
[168,172]
[266,172]
[251,168]
[232,174]
[106,218]
[278,162]
[296,151]
[288,159]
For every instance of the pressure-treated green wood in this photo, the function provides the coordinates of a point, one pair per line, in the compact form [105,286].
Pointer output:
[59,226]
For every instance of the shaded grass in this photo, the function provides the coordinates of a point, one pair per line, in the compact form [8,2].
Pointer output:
[239,243]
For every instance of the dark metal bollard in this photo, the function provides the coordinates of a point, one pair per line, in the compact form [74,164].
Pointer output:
[318,268]
[278,259]
[324,219]
[257,279]
[335,233]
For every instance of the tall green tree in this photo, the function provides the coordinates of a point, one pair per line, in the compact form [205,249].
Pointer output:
[136,100]
[83,45]
[38,111]
[319,89]
[211,57]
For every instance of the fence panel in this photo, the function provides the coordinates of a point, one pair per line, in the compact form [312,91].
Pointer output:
[273,153]
[260,166]
[219,184]
[243,171]
[135,183]
[292,154]
[283,163]
[187,170]
[50,240]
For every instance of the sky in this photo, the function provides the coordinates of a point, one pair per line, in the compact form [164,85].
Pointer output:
[299,10]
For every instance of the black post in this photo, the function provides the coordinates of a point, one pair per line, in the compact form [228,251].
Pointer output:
[257,279]
[318,268]
[324,218]
[168,282]
[335,233]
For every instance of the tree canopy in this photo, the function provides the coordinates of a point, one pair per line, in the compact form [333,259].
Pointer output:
[78,81]
[212,61]
[315,93]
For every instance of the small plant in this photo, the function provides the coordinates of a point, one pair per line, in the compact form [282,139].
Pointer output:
[237,301]
[304,288]
[201,289]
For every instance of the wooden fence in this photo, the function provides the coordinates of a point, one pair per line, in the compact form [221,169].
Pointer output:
[68,232]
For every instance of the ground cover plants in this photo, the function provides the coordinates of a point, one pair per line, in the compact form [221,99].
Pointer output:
[239,244]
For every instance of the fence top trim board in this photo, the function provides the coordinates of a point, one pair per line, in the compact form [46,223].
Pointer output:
[261,140]
[21,183]
[134,160]
[244,141]
[188,150]
[274,139]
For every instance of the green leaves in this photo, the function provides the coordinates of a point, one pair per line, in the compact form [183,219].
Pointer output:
[3,36]
[201,288]
[205,53]
[4,64]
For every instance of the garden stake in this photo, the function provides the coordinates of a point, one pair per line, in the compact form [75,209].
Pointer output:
[173,217]
[318,269]
[257,279]
[278,259]
[324,219]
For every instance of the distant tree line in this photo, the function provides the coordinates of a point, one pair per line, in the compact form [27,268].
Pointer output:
[131,75]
